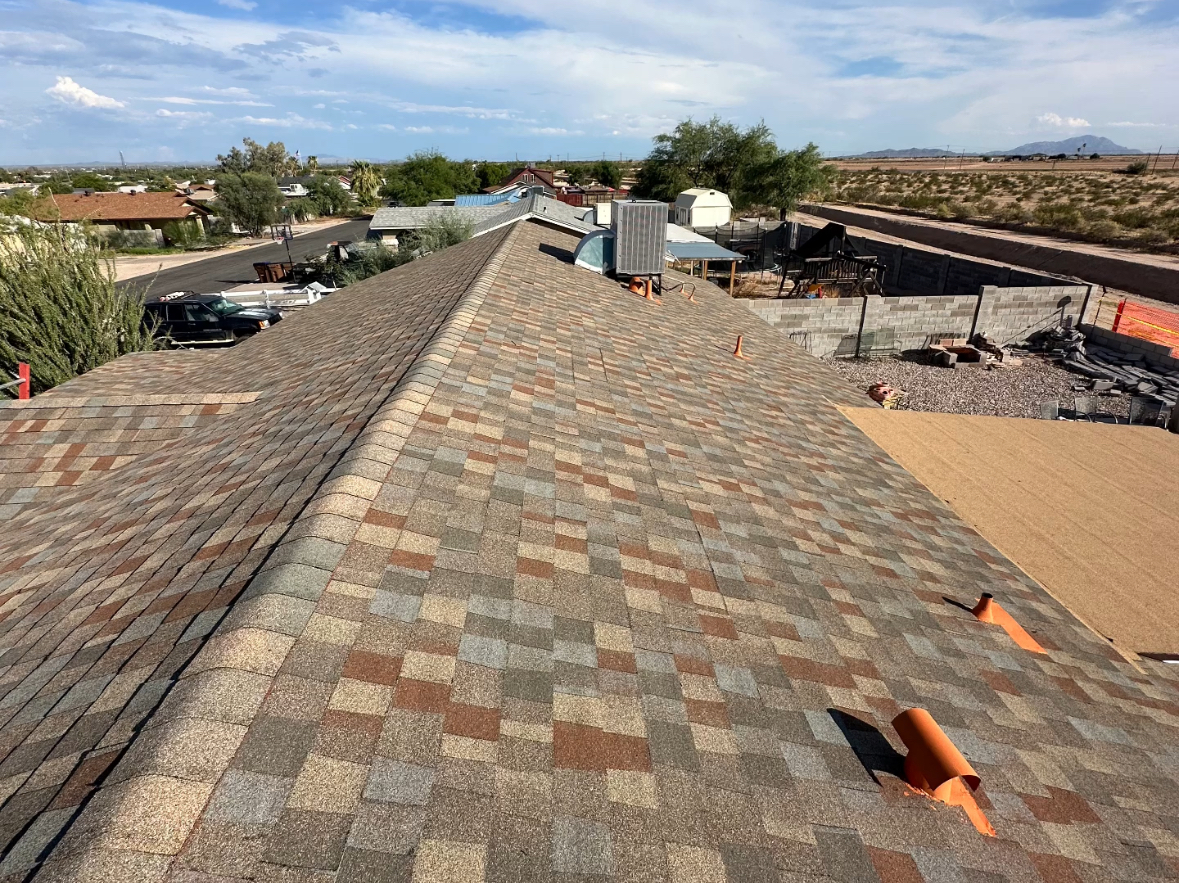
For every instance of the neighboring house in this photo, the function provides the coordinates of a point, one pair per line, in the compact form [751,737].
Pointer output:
[702,208]
[6,189]
[200,192]
[132,188]
[487,569]
[125,211]
[389,224]
[529,176]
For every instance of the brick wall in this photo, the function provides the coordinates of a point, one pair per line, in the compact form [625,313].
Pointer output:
[829,326]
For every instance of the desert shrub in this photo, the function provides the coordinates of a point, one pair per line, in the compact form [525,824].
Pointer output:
[186,234]
[1103,230]
[986,207]
[1013,213]
[1057,215]
[443,231]
[1152,236]
[1135,218]
[59,308]
[121,240]
[1139,167]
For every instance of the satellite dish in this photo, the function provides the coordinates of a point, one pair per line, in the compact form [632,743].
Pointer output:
[596,252]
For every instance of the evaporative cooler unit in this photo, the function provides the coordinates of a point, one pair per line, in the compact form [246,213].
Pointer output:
[640,237]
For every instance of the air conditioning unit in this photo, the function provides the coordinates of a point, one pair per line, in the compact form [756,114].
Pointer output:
[640,237]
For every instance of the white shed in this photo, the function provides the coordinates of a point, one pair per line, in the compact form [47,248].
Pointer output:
[702,208]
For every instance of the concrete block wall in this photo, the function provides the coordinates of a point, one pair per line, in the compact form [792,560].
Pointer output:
[1010,315]
[818,325]
[828,326]
[1154,354]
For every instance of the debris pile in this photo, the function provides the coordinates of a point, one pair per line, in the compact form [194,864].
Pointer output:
[1110,371]
[978,352]
[888,396]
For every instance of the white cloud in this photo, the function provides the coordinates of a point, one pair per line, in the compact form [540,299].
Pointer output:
[189,115]
[244,5]
[290,121]
[976,74]
[180,99]
[1055,119]
[67,91]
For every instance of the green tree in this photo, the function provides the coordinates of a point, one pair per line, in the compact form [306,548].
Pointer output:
[785,179]
[313,164]
[606,173]
[364,182]
[328,196]
[714,154]
[251,200]
[491,174]
[59,308]
[428,175]
[91,181]
[271,159]
[58,184]
[20,202]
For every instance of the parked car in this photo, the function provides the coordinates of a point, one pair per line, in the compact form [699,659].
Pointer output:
[187,318]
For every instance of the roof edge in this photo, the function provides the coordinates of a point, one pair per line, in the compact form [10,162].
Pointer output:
[210,707]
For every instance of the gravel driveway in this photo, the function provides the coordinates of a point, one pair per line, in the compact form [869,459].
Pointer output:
[1003,392]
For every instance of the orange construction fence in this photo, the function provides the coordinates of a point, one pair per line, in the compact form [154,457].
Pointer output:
[1148,323]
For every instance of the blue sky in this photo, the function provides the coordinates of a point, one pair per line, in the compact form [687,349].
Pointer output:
[178,80]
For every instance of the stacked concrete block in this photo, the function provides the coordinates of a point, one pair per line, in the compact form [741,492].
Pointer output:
[1156,355]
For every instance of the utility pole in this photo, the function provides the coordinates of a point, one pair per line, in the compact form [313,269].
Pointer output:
[1158,157]
[1174,160]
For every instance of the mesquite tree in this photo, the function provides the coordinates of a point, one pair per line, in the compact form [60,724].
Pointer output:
[59,308]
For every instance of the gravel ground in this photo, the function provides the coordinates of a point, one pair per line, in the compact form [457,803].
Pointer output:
[1003,392]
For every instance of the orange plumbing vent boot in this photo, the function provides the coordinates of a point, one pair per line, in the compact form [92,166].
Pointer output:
[737,352]
[636,285]
[988,610]
[935,766]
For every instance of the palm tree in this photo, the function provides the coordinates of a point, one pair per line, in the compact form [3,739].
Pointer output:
[364,182]
[313,164]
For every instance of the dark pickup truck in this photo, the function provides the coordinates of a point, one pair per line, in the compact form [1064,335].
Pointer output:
[187,319]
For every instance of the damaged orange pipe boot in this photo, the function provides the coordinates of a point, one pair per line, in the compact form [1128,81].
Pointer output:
[737,352]
[936,768]
[988,610]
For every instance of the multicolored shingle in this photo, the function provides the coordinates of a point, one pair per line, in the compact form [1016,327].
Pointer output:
[507,574]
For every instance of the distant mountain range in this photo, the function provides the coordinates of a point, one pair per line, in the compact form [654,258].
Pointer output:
[1088,143]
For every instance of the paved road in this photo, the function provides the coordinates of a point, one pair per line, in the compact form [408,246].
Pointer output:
[224,271]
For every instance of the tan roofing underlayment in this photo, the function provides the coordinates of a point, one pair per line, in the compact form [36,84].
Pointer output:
[1086,509]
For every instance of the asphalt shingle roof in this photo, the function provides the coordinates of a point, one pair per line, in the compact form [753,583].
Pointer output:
[416,217]
[507,574]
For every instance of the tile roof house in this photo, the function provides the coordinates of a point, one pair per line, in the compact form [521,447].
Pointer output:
[125,211]
[484,569]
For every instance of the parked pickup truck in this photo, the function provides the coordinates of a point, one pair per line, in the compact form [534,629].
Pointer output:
[188,319]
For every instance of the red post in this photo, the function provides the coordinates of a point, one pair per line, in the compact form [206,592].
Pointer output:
[24,390]
[1118,316]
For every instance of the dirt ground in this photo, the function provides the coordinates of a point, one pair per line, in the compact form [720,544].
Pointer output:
[1085,509]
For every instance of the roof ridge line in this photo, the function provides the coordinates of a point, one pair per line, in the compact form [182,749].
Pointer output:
[186,745]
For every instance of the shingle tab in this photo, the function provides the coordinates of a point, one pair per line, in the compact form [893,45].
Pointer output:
[619,607]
